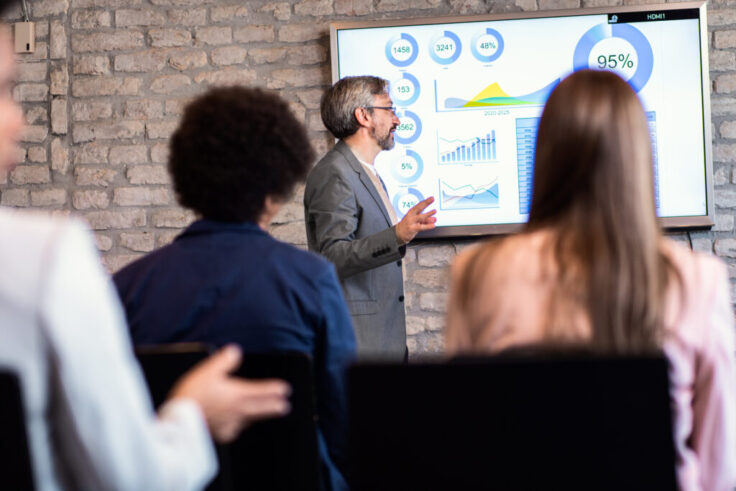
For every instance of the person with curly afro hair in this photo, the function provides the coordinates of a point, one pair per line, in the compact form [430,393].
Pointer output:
[234,161]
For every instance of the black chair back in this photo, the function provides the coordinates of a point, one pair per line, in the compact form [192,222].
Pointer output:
[15,459]
[506,422]
[277,454]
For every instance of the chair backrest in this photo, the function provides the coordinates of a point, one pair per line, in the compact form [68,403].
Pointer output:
[509,422]
[277,454]
[15,460]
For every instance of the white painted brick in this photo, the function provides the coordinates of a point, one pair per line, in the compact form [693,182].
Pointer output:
[137,241]
[59,157]
[280,10]
[157,130]
[142,17]
[213,35]
[314,8]
[433,256]
[168,84]
[31,92]
[37,155]
[299,33]
[152,60]
[106,130]
[34,133]
[107,41]
[188,17]
[104,242]
[91,65]
[90,111]
[228,13]
[14,197]
[228,55]
[32,72]
[148,174]
[140,196]
[86,176]
[128,154]
[57,40]
[105,220]
[48,197]
[91,19]
[253,34]
[227,76]
[353,7]
[167,38]
[99,86]
[91,153]
[187,59]
[59,117]
[30,174]
[177,218]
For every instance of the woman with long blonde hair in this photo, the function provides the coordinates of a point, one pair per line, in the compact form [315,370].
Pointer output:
[593,268]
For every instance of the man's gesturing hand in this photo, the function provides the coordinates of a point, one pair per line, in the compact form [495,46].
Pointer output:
[415,221]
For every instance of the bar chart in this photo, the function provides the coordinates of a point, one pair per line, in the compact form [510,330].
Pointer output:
[459,151]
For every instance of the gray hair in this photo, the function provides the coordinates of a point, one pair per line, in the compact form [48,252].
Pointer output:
[341,100]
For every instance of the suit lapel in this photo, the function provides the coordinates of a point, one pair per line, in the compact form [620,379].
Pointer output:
[364,178]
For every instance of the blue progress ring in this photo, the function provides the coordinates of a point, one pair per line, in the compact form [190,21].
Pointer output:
[417,128]
[414,50]
[400,194]
[417,171]
[499,49]
[624,31]
[455,55]
[407,102]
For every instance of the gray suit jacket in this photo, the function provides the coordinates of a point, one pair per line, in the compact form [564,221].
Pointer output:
[347,223]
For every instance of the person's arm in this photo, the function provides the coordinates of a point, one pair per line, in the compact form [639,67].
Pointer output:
[109,427]
[332,216]
[457,336]
[714,399]
[338,350]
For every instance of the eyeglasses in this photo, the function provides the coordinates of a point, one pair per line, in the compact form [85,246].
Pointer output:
[385,108]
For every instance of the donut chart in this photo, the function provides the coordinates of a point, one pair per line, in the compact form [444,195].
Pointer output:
[407,167]
[626,32]
[405,90]
[405,199]
[402,50]
[409,129]
[487,45]
[445,47]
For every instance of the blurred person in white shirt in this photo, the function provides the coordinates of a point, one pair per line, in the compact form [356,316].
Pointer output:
[90,421]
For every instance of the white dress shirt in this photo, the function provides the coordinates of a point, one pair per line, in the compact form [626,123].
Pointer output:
[382,192]
[89,417]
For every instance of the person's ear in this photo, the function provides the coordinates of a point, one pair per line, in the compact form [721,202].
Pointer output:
[362,116]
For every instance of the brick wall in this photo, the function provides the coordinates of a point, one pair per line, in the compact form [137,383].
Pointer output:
[109,78]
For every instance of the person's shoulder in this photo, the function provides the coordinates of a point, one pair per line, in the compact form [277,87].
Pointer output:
[507,250]
[145,264]
[693,266]
[333,162]
[35,233]
[31,241]
[299,260]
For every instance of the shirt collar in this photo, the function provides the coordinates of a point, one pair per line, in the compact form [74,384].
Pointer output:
[205,226]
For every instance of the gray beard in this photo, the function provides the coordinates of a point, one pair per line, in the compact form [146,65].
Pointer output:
[386,143]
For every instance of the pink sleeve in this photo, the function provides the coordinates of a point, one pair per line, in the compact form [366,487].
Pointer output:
[714,399]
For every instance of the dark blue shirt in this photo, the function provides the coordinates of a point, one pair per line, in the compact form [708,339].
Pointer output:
[228,282]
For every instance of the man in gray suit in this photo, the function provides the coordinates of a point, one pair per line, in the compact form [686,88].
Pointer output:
[350,219]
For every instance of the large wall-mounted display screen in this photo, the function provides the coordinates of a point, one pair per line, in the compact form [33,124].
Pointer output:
[470,92]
